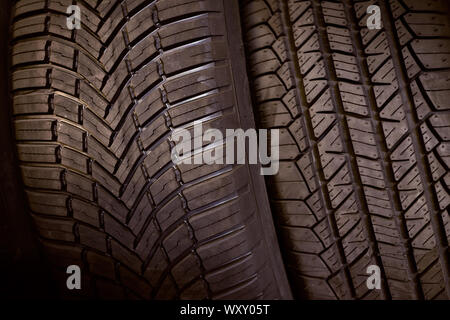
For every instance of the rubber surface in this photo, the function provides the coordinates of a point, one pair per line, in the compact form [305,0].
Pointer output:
[364,122]
[23,273]
[93,112]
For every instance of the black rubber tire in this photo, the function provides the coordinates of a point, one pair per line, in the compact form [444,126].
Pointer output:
[93,111]
[22,271]
[365,129]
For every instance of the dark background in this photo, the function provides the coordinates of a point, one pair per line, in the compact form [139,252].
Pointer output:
[22,270]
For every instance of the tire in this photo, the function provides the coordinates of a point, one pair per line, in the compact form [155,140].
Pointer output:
[364,132]
[93,110]
[18,247]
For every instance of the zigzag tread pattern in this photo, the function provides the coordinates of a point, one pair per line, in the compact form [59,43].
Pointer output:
[315,260]
[94,110]
[354,135]
[423,33]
